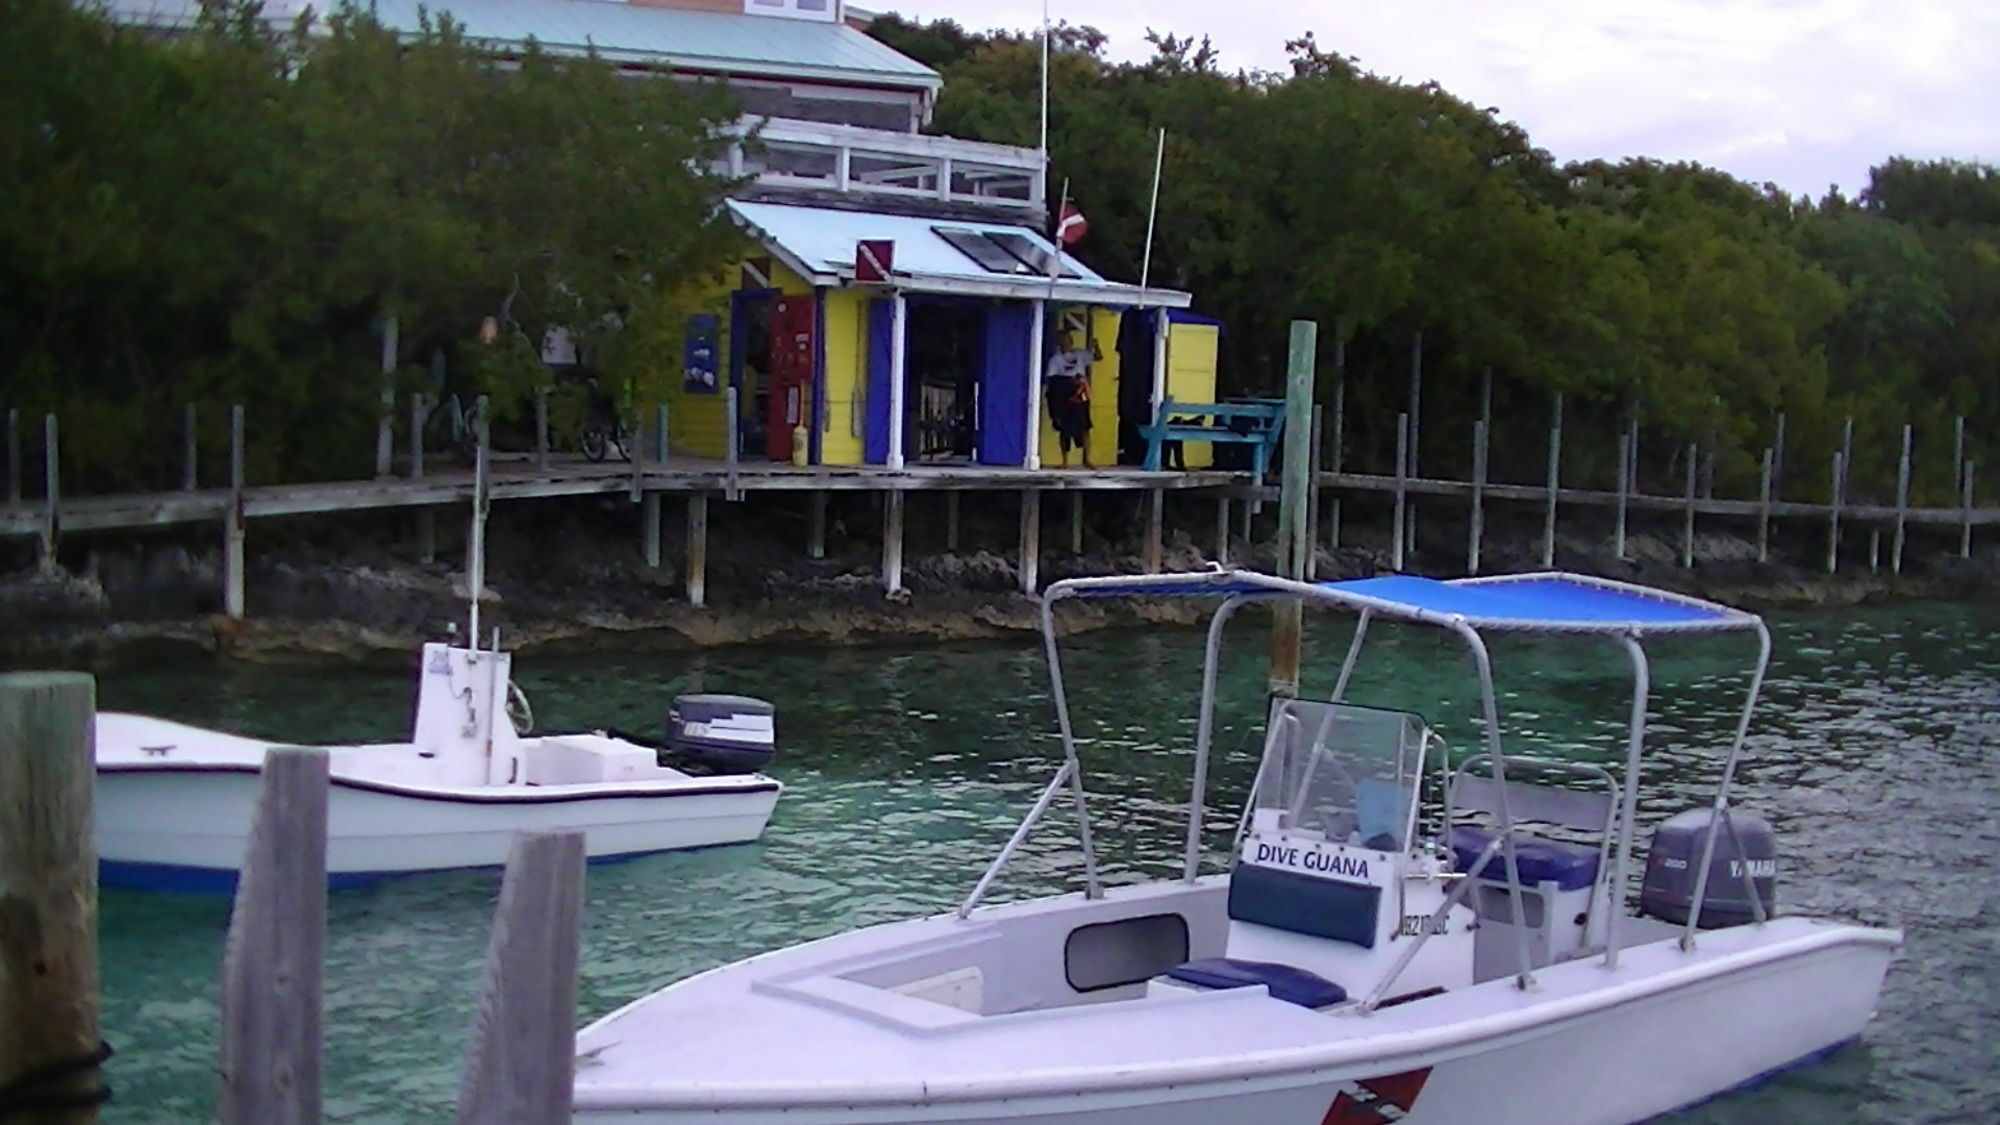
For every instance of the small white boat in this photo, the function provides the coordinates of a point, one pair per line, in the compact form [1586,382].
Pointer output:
[1394,940]
[174,802]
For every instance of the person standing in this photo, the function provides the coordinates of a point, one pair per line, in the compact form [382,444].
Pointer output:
[1066,385]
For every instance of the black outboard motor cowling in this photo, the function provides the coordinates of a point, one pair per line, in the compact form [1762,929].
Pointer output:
[1673,860]
[722,733]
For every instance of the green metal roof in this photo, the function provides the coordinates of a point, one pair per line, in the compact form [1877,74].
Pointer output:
[708,42]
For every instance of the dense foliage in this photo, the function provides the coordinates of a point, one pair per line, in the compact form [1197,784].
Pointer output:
[235,214]
[1700,304]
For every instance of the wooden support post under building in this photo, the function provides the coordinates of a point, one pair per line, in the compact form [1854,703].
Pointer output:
[48,879]
[521,1064]
[1837,487]
[1687,507]
[697,560]
[1076,523]
[892,542]
[1156,502]
[13,456]
[1965,512]
[1478,496]
[650,536]
[951,521]
[1402,483]
[1031,541]
[1764,506]
[1624,474]
[51,494]
[816,526]
[273,1010]
[190,450]
[1874,549]
[1555,483]
[1902,502]
[232,528]
[1222,530]
[541,427]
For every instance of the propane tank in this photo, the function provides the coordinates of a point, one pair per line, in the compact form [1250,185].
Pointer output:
[799,447]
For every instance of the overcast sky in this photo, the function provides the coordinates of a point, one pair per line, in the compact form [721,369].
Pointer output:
[1805,93]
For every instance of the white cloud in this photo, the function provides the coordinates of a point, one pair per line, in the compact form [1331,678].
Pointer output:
[1800,92]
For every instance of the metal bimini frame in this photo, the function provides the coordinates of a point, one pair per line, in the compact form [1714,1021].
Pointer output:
[1237,588]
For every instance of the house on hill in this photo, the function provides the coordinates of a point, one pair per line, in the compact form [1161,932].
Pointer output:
[904,289]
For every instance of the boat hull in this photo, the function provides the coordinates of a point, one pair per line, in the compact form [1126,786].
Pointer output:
[1586,1047]
[186,829]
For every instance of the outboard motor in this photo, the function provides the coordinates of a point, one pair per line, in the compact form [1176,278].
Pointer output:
[722,733]
[1675,855]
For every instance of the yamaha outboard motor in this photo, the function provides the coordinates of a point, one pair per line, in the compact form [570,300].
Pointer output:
[722,733]
[1673,860]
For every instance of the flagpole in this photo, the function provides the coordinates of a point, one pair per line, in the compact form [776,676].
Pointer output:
[1044,148]
[1152,210]
[1055,262]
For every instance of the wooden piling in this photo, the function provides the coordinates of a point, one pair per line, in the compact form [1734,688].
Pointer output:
[1874,549]
[521,1065]
[541,427]
[697,557]
[951,521]
[1031,541]
[48,897]
[1687,508]
[1156,501]
[1624,475]
[1222,530]
[1902,502]
[892,541]
[650,535]
[1478,496]
[1764,506]
[1402,487]
[232,527]
[1846,454]
[190,449]
[385,418]
[272,1007]
[1836,488]
[1076,523]
[51,494]
[1965,509]
[13,456]
[1555,483]
[816,525]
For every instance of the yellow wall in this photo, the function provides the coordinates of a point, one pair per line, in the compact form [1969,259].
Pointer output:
[846,372]
[1104,376]
[1191,378]
[695,420]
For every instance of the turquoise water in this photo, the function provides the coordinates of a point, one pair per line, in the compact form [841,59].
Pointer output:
[1875,757]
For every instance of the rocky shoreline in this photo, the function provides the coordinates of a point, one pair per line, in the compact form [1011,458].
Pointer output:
[568,577]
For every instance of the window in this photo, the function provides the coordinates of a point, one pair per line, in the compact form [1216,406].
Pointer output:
[1003,252]
[793,9]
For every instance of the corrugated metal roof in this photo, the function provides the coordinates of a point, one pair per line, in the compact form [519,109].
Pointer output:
[703,41]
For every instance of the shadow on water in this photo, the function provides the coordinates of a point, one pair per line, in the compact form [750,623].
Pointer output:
[1875,758]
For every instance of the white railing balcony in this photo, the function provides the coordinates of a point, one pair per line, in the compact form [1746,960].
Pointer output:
[812,155]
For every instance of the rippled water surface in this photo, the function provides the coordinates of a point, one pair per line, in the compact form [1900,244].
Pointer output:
[1877,757]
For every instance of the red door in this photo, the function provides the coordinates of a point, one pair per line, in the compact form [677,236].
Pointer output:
[789,400]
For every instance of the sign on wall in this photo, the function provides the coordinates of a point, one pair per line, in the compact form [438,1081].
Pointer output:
[699,353]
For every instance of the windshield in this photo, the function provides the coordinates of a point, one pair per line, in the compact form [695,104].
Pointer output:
[1342,773]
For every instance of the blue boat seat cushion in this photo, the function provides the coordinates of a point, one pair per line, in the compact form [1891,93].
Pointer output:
[1304,904]
[1287,983]
[1569,866]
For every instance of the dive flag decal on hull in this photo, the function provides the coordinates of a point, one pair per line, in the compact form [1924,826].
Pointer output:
[1375,1101]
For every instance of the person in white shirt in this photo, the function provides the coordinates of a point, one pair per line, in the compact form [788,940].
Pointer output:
[1066,385]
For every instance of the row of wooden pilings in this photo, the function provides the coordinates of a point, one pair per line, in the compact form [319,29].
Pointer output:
[520,1061]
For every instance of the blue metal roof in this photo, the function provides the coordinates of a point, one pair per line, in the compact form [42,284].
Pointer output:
[708,42]
[1554,603]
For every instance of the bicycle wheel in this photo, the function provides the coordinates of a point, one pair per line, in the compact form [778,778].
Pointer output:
[595,443]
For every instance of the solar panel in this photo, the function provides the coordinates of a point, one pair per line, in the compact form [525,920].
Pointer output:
[975,245]
[1030,252]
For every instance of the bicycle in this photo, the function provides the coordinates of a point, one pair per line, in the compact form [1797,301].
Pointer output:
[451,424]
[604,431]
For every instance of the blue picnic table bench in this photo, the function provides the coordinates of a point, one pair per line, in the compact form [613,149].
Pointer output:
[1257,422]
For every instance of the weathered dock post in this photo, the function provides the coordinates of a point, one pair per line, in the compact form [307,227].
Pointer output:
[13,456]
[1222,530]
[520,1067]
[1156,519]
[1965,513]
[190,447]
[1902,502]
[1294,495]
[892,542]
[1764,507]
[651,533]
[1402,485]
[385,418]
[273,1010]
[233,530]
[697,557]
[51,494]
[1687,506]
[1555,483]
[1837,487]
[816,524]
[1339,438]
[1031,540]
[1624,476]
[49,1045]
[1478,496]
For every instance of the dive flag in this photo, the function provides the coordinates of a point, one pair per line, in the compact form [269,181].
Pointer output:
[874,259]
[1072,227]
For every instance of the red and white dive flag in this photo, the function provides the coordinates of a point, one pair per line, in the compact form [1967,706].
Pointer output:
[1071,228]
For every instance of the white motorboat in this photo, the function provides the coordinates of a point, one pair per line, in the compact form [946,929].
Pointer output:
[174,802]
[1394,940]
